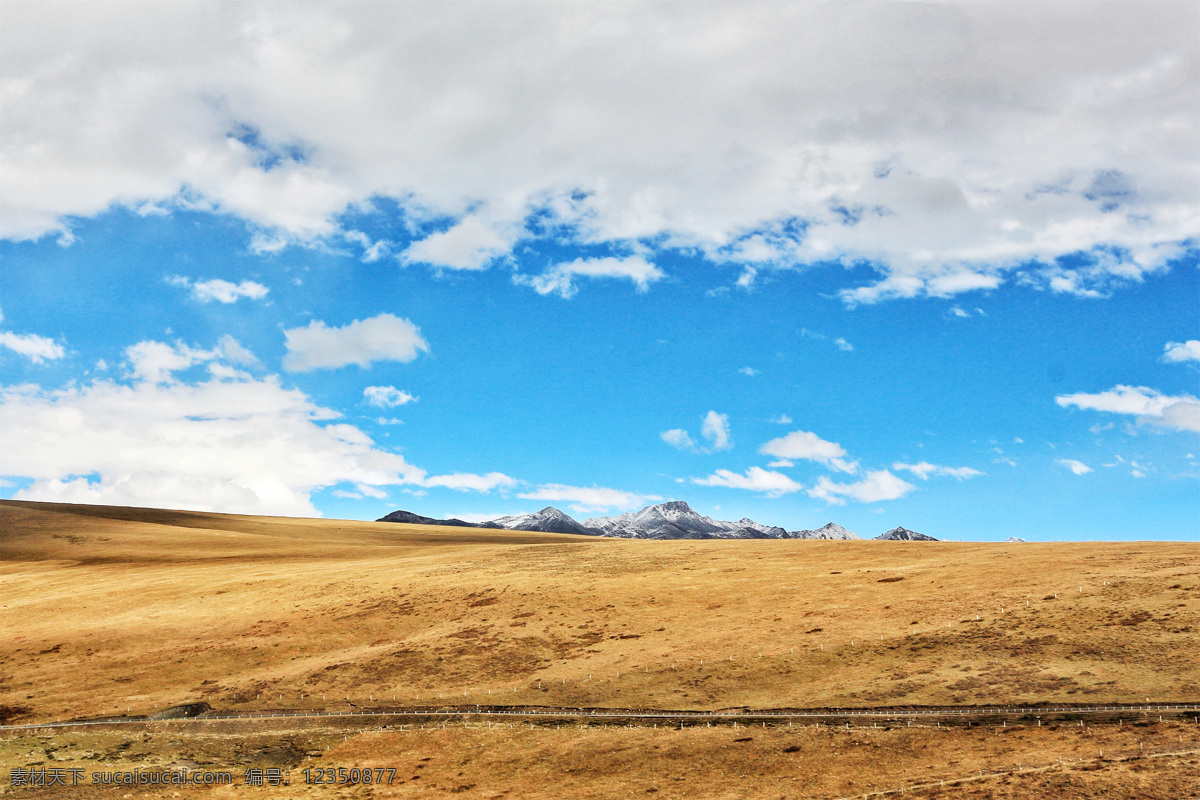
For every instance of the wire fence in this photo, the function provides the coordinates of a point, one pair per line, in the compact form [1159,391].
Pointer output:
[684,717]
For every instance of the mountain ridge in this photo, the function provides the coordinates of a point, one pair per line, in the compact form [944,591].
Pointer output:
[673,519]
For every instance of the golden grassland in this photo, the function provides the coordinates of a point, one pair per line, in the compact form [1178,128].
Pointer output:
[107,611]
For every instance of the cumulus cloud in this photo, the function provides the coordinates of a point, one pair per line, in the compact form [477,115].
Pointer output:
[387,396]
[228,443]
[924,469]
[219,290]
[874,487]
[782,419]
[1180,412]
[750,371]
[1176,352]
[810,447]
[944,145]
[588,499]
[469,245]
[561,277]
[1077,467]
[36,348]
[468,482]
[756,479]
[381,338]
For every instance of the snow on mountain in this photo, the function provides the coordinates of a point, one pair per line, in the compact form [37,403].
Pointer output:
[905,535]
[767,531]
[675,519]
[549,520]
[829,530]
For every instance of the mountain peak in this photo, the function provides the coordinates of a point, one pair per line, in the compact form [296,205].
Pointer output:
[830,530]
[675,506]
[902,534]
[550,512]
[548,520]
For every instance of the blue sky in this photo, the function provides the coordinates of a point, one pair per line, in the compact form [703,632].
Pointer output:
[950,283]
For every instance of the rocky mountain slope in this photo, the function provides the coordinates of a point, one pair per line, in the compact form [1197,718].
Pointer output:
[417,519]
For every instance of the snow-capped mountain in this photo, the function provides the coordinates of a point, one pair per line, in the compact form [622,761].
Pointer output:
[905,535]
[676,520]
[549,520]
[829,530]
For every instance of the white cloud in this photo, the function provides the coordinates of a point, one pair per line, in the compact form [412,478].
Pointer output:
[746,279]
[1077,467]
[756,479]
[561,277]
[36,348]
[715,430]
[1176,352]
[944,144]
[839,342]
[585,499]
[1183,415]
[876,486]
[958,312]
[387,396]
[781,463]
[1181,412]
[371,491]
[381,338]
[782,419]
[470,245]
[468,482]
[155,362]
[233,444]
[750,371]
[924,469]
[810,447]
[678,437]
[219,290]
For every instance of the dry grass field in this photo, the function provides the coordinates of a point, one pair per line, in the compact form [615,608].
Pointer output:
[107,611]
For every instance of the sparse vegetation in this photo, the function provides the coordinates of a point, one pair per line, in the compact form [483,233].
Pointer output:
[115,611]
